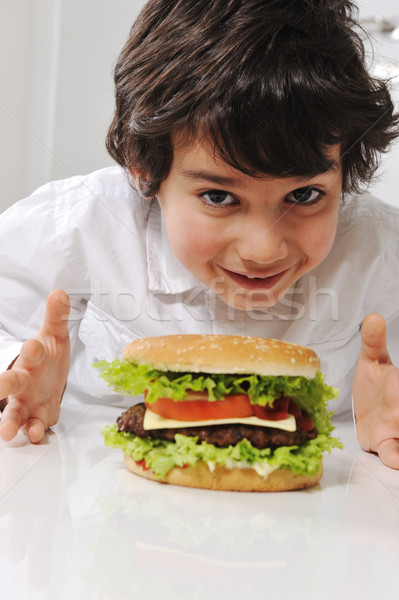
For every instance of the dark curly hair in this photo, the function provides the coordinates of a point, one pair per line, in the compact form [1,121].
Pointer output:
[270,83]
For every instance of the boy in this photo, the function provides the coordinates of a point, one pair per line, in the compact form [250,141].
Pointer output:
[244,127]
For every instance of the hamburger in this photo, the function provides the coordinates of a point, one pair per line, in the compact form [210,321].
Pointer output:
[222,412]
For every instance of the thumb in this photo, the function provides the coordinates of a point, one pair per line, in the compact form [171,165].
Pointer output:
[55,322]
[374,339]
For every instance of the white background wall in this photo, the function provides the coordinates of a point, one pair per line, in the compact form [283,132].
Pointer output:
[385,63]
[56,90]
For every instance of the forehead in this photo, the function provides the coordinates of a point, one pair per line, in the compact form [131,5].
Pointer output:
[194,158]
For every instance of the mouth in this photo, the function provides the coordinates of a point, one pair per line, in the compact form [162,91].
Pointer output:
[253,281]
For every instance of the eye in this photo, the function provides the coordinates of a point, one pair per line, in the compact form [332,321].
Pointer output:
[306,196]
[218,198]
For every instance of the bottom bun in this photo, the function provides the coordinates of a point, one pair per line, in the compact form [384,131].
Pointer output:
[235,480]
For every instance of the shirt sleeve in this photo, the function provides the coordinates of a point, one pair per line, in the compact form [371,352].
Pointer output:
[8,353]
[387,303]
[31,266]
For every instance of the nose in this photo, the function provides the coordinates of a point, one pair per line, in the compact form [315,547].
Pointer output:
[263,241]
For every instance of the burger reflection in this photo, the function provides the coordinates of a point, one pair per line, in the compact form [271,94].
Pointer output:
[172,542]
[372,524]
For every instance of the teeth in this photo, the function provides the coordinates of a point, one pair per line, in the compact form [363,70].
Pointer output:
[253,277]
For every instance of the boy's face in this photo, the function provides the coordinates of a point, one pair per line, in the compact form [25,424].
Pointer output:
[247,239]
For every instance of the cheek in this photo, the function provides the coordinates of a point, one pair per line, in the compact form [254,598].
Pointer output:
[192,237]
[191,240]
[320,238]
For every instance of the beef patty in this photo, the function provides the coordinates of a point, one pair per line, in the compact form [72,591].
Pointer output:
[131,421]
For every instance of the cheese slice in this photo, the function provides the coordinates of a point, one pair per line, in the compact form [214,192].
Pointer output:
[154,421]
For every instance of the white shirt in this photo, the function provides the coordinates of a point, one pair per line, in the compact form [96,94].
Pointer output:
[97,239]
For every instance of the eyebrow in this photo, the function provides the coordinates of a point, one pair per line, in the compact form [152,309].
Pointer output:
[222,180]
[210,177]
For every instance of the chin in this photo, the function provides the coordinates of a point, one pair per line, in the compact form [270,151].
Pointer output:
[241,300]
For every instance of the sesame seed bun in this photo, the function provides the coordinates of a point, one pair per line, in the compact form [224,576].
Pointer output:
[223,354]
[235,479]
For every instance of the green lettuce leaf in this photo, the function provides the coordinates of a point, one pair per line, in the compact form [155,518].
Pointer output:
[161,456]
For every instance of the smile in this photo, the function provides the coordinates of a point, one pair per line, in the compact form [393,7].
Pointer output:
[250,281]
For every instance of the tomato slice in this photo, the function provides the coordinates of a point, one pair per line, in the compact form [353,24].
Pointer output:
[304,421]
[302,417]
[197,408]
[278,412]
[294,409]
[262,412]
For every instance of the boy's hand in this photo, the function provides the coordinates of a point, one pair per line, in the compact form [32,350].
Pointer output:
[35,383]
[376,394]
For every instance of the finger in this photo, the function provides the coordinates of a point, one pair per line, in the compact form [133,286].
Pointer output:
[35,430]
[12,383]
[11,420]
[55,322]
[20,529]
[388,451]
[374,339]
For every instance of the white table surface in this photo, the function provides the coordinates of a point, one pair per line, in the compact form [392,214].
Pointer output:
[75,524]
